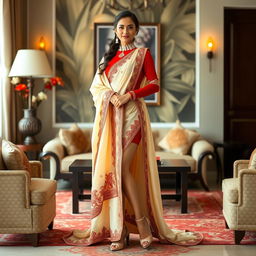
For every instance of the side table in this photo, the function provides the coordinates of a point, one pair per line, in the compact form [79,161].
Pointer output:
[32,150]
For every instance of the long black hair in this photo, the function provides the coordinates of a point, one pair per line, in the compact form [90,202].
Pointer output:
[114,46]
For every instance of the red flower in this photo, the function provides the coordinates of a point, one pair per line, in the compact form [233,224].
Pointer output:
[59,81]
[54,81]
[48,86]
[20,87]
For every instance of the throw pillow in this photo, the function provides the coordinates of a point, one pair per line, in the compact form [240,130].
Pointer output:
[74,140]
[179,140]
[252,162]
[14,158]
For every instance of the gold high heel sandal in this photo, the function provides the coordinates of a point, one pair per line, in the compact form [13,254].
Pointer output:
[122,243]
[145,242]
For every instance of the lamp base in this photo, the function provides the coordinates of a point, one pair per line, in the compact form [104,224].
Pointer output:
[29,140]
[29,126]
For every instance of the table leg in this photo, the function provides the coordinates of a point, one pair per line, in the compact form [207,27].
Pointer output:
[177,186]
[75,192]
[184,192]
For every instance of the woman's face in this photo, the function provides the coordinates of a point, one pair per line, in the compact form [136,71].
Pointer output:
[126,30]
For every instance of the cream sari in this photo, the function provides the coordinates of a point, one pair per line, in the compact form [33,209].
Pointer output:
[114,129]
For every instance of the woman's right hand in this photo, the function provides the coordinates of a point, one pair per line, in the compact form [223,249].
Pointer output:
[114,100]
[119,100]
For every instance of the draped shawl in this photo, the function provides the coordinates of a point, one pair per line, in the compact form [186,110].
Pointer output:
[114,129]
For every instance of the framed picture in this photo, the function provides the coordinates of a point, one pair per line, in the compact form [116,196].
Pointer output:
[148,36]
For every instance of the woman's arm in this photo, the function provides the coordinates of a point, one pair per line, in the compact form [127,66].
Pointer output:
[150,73]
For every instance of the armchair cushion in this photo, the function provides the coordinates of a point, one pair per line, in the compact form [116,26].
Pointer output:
[74,140]
[230,189]
[252,162]
[41,190]
[14,158]
[179,140]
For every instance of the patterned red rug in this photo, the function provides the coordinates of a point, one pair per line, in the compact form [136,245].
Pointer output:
[205,216]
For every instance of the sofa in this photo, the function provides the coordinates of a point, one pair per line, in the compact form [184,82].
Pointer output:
[61,153]
[27,201]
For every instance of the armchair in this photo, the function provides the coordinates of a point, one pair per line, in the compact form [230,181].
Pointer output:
[27,205]
[239,202]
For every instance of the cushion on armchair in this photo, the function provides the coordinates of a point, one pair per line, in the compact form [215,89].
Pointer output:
[14,158]
[252,162]
[74,140]
[179,140]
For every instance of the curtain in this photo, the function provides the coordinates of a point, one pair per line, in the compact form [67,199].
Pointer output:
[12,37]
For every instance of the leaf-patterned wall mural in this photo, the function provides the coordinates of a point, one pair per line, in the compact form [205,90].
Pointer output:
[75,57]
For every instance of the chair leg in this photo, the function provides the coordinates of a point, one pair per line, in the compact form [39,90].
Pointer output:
[35,239]
[239,235]
[50,227]
[205,186]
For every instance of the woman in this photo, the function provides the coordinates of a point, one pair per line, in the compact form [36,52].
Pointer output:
[123,152]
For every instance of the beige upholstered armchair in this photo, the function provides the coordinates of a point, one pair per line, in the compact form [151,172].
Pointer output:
[239,200]
[27,205]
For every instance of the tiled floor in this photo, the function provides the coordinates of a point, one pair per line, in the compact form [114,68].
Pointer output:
[200,250]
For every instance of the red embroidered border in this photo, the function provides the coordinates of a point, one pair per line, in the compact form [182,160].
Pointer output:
[137,69]
[109,190]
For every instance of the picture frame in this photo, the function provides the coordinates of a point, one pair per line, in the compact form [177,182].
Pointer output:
[148,36]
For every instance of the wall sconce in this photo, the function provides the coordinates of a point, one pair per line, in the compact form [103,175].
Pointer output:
[210,52]
[41,43]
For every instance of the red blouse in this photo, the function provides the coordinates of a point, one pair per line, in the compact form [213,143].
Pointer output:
[148,70]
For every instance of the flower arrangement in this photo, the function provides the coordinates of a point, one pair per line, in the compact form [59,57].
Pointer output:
[23,90]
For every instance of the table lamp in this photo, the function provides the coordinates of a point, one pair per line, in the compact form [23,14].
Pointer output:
[31,64]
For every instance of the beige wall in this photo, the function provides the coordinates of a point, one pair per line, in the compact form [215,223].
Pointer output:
[210,84]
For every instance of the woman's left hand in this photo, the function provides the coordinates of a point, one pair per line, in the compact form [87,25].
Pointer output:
[123,99]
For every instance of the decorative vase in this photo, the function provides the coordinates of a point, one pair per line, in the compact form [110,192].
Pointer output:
[29,126]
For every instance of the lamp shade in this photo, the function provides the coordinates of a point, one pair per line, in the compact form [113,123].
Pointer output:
[30,63]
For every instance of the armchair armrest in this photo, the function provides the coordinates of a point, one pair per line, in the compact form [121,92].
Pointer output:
[201,151]
[15,184]
[56,147]
[239,165]
[247,187]
[42,190]
[200,148]
[55,152]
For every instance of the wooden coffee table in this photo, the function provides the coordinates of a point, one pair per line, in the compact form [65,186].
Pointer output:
[81,168]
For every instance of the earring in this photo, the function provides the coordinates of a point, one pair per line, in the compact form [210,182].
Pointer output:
[117,40]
